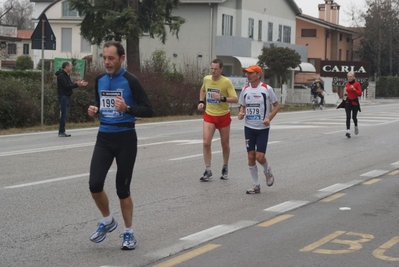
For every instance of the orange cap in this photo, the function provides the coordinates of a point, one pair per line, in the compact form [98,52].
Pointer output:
[253,68]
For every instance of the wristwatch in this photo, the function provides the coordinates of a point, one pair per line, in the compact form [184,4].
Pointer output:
[127,108]
[223,99]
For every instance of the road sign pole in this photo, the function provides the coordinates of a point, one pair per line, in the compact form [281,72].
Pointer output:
[42,99]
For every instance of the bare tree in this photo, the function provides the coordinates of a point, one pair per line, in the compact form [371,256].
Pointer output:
[3,13]
[19,14]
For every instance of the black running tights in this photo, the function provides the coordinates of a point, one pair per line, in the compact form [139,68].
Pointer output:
[348,110]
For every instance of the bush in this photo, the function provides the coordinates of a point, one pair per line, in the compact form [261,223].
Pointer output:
[24,62]
[16,106]
[47,65]
[21,74]
[171,92]
[387,86]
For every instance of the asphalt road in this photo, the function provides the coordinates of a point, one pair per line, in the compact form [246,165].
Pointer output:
[47,213]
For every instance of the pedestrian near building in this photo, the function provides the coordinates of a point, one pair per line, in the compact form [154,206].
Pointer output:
[353,90]
[217,91]
[256,100]
[317,90]
[64,90]
[119,99]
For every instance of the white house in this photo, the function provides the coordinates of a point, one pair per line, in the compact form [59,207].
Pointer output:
[65,25]
[232,30]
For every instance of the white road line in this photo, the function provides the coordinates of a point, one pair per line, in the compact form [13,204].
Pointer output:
[194,156]
[396,164]
[198,238]
[48,181]
[375,173]
[339,187]
[283,127]
[286,206]
[47,132]
[184,142]
[217,231]
[37,150]
[201,155]
[52,180]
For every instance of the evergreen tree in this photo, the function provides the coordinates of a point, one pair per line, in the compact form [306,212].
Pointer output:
[380,42]
[278,60]
[106,20]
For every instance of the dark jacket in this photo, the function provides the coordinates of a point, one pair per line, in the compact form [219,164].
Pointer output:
[64,83]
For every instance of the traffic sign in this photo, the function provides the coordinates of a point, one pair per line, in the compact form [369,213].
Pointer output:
[43,28]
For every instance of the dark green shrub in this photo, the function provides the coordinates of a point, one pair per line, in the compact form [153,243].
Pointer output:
[20,74]
[387,86]
[171,92]
[24,62]
[47,65]
[16,106]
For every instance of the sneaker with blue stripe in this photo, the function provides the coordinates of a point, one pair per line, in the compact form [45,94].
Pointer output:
[101,233]
[129,242]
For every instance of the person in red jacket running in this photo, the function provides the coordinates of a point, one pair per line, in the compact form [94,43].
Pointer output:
[353,90]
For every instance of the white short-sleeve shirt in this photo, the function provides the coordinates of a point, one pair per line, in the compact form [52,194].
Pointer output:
[257,102]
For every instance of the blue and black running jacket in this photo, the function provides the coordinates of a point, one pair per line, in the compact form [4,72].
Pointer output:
[127,86]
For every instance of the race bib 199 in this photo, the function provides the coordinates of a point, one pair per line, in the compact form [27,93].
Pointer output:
[107,104]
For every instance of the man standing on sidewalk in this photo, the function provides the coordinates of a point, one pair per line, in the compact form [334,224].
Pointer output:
[64,90]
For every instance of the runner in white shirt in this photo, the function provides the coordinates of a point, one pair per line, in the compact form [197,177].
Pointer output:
[255,101]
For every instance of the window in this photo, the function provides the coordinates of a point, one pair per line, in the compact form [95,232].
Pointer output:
[340,37]
[227,70]
[287,34]
[347,55]
[348,38]
[227,25]
[340,54]
[66,12]
[251,28]
[85,46]
[270,31]
[12,49]
[280,33]
[309,33]
[260,30]
[66,40]
[26,49]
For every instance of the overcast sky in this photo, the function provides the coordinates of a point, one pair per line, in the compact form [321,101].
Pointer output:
[310,7]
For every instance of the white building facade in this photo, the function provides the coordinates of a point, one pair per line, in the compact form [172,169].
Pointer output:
[232,30]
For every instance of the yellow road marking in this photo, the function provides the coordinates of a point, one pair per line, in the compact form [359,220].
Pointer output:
[379,252]
[275,220]
[372,181]
[187,256]
[322,241]
[393,172]
[333,197]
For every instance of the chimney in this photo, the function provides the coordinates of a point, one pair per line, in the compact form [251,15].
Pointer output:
[329,11]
